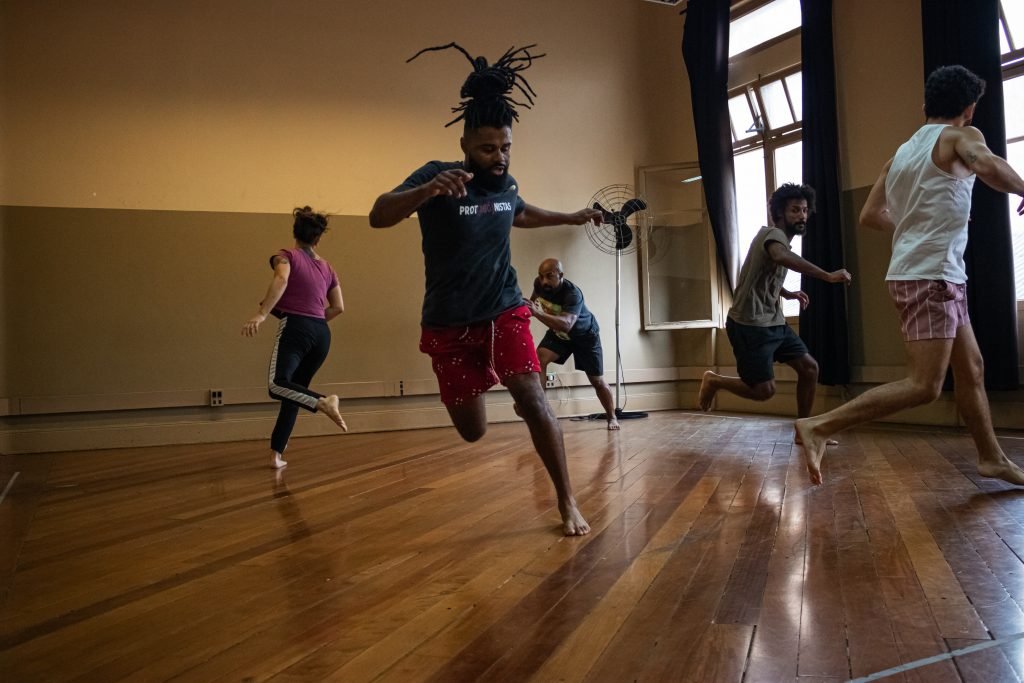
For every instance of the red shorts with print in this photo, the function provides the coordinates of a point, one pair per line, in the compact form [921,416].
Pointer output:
[930,309]
[470,360]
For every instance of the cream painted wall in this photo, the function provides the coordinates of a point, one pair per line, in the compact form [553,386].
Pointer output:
[209,121]
[159,147]
[880,82]
[880,88]
[252,106]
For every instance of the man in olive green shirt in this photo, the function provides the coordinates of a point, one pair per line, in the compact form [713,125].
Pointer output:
[756,325]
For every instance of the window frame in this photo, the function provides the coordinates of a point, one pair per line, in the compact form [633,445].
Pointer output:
[767,138]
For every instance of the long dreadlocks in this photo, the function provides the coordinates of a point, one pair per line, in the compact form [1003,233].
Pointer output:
[487,89]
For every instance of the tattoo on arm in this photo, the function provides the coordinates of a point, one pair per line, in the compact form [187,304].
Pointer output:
[972,158]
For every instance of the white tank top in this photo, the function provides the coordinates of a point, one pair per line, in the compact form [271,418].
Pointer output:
[930,208]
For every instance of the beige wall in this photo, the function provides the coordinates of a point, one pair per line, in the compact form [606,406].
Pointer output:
[153,150]
[251,106]
[880,87]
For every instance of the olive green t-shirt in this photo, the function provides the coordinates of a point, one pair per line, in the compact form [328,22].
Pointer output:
[756,301]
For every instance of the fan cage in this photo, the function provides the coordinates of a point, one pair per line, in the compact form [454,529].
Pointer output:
[604,236]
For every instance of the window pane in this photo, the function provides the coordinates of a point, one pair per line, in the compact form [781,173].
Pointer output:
[789,169]
[1014,11]
[789,164]
[763,24]
[751,202]
[1015,155]
[776,105]
[742,119]
[1013,105]
[795,83]
[1004,46]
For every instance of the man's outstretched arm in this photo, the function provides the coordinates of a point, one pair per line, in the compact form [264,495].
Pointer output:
[534,217]
[393,207]
[782,255]
[992,169]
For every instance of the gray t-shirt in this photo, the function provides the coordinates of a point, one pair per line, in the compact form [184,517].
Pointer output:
[757,294]
[467,250]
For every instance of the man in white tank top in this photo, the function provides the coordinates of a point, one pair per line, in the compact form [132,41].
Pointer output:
[923,196]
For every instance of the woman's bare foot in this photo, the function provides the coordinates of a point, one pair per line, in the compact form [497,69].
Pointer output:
[1002,469]
[328,405]
[573,523]
[277,462]
[707,391]
[613,424]
[812,448]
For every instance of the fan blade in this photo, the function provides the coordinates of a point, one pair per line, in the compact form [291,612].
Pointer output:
[608,216]
[632,206]
[623,236]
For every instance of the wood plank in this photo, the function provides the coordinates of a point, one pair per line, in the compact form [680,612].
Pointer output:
[414,556]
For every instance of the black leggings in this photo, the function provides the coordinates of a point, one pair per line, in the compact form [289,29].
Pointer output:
[299,351]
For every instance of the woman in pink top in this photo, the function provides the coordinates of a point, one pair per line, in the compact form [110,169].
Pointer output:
[304,294]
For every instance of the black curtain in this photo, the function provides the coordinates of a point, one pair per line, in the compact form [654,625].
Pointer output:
[967,33]
[706,55]
[823,324]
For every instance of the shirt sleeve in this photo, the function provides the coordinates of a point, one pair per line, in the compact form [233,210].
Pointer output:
[334,278]
[283,253]
[420,176]
[573,302]
[774,235]
[520,205]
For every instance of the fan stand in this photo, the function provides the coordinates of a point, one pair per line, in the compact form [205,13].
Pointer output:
[619,412]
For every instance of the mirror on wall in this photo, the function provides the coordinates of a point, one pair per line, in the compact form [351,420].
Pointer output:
[678,265]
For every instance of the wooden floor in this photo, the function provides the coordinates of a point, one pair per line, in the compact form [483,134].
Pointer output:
[412,556]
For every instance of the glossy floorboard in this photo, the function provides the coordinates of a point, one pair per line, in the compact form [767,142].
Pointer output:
[410,556]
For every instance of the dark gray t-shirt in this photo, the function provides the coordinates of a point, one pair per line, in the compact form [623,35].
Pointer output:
[466,250]
[757,293]
[567,299]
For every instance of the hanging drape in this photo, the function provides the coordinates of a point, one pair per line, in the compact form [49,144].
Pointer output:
[823,325]
[967,33]
[706,55]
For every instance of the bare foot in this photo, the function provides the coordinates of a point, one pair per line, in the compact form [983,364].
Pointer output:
[812,446]
[828,442]
[573,523]
[613,425]
[328,405]
[707,392]
[277,463]
[1003,469]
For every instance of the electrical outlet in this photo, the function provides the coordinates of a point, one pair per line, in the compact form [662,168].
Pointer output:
[549,381]
[216,397]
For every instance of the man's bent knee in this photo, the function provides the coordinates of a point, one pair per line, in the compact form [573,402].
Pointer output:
[471,433]
[763,391]
[807,368]
[926,392]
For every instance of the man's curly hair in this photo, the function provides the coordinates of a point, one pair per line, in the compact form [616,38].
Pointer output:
[949,90]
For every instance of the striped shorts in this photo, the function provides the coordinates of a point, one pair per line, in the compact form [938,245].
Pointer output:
[929,309]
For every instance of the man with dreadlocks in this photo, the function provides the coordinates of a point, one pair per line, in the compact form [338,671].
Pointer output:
[476,327]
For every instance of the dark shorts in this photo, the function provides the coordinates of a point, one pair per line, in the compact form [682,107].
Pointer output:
[586,350]
[470,360]
[756,348]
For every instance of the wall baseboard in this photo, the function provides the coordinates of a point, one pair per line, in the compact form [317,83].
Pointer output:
[167,418]
[158,428]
